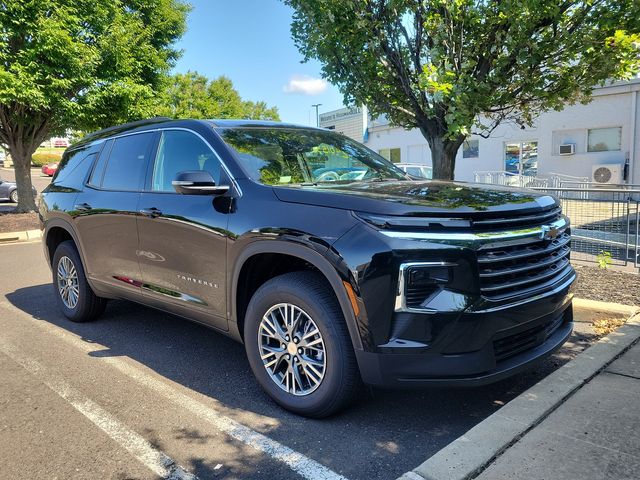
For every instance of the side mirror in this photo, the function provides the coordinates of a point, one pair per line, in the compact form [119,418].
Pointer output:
[197,182]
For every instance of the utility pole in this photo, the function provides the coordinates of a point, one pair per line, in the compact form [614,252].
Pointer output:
[317,117]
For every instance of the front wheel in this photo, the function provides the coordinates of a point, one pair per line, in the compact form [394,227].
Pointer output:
[14,196]
[75,297]
[299,347]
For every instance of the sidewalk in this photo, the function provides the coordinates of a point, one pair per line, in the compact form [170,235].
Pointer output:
[594,435]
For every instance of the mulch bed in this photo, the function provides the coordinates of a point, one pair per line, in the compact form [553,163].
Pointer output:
[608,285]
[18,222]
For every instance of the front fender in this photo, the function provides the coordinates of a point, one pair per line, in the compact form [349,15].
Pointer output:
[314,253]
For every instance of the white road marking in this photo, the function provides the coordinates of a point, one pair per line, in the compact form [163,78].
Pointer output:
[157,461]
[299,463]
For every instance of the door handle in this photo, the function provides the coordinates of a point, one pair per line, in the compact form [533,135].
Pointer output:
[151,212]
[83,207]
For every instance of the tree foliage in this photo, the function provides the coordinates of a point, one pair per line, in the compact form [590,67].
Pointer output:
[79,64]
[192,95]
[449,67]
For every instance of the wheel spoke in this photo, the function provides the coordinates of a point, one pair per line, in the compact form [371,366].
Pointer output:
[68,282]
[298,372]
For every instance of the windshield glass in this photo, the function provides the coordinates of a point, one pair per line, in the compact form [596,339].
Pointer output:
[285,156]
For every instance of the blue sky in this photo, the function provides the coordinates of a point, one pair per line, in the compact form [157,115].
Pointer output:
[249,41]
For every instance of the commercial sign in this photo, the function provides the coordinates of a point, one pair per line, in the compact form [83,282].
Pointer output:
[340,114]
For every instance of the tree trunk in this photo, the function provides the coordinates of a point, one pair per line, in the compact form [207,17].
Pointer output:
[443,153]
[21,156]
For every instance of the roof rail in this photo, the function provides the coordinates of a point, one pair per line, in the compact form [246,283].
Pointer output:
[126,126]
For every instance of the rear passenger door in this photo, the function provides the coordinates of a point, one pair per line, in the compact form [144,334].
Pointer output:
[106,210]
[183,238]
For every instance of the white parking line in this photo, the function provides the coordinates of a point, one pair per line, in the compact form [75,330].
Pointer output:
[157,461]
[299,463]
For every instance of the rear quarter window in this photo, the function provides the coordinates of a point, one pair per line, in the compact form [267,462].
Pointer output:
[74,167]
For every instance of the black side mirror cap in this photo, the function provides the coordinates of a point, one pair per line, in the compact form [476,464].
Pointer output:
[197,182]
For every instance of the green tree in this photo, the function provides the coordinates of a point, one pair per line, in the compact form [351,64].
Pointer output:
[449,67]
[260,111]
[79,64]
[192,95]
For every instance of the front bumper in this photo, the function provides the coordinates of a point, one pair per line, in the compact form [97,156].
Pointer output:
[481,347]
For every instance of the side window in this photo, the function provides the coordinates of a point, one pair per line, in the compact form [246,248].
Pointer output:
[75,164]
[179,151]
[98,170]
[127,162]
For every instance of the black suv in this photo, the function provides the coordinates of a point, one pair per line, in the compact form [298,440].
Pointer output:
[330,264]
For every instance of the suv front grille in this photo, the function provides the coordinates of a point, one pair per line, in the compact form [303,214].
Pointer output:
[523,269]
[547,215]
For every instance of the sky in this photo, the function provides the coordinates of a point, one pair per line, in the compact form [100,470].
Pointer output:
[250,42]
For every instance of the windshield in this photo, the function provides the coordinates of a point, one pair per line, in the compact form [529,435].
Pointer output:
[285,156]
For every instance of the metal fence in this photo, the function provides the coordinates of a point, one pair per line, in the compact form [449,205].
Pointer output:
[603,221]
[529,181]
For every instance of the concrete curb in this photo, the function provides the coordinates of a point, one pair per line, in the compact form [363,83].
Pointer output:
[468,455]
[594,308]
[26,236]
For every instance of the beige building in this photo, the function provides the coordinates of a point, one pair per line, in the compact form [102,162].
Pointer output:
[351,122]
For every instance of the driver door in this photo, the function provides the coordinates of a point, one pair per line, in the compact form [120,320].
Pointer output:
[183,238]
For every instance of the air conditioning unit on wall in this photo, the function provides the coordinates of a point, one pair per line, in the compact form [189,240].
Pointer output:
[607,174]
[567,149]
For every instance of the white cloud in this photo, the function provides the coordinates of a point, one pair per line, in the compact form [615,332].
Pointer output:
[305,85]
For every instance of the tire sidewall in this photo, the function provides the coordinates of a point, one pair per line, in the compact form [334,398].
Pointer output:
[77,313]
[266,297]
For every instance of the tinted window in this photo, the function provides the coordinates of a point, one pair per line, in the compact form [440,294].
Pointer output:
[180,151]
[98,169]
[127,162]
[75,174]
[74,167]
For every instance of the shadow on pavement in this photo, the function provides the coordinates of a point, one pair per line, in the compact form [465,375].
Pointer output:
[384,433]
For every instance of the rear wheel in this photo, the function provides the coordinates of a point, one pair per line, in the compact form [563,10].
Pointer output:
[75,297]
[298,345]
[14,196]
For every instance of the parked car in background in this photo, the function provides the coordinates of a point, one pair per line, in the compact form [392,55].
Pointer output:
[50,169]
[9,191]
[416,170]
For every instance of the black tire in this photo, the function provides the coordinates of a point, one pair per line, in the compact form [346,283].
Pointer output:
[14,196]
[311,293]
[88,306]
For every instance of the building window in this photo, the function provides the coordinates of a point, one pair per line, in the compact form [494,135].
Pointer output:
[604,139]
[470,148]
[391,154]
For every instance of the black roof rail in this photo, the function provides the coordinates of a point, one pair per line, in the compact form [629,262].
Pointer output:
[121,128]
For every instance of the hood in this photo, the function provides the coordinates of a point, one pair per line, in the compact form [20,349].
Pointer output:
[418,198]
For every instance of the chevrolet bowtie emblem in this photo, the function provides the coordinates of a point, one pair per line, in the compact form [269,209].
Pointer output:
[549,232]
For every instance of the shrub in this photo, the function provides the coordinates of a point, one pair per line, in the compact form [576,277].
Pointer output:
[40,158]
[604,259]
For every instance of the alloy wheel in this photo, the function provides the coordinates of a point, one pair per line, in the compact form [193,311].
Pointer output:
[292,349]
[68,282]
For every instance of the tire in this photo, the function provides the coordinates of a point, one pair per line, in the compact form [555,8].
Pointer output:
[339,382]
[14,196]
[80,303]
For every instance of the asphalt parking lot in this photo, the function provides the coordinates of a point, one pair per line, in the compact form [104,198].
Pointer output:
[139,392]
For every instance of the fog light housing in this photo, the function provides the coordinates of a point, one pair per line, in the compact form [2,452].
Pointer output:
[418,281]
[428,275]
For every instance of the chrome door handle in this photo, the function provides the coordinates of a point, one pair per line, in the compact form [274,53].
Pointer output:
[83,207]
[151,212]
